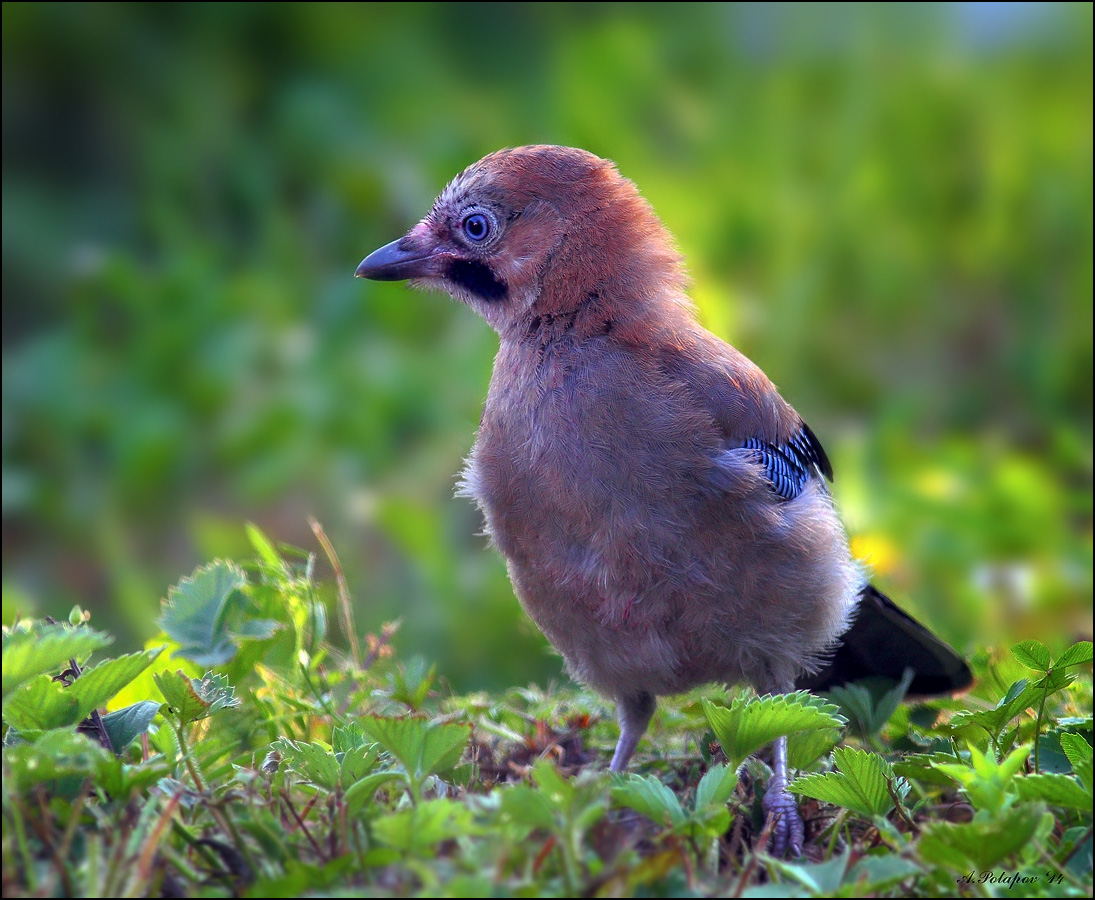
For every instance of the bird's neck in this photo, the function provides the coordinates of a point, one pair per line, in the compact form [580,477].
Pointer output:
[603,313]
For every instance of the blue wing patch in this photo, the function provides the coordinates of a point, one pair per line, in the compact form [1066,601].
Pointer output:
[790,465]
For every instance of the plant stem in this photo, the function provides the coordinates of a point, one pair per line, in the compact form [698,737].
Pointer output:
[21,840]
[1038,727]
[191,766]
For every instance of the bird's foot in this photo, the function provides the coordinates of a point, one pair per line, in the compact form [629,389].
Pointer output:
[788,830]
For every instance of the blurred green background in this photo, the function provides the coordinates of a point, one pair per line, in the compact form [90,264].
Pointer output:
[888,207]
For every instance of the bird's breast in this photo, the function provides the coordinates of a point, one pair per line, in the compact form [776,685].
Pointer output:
[588,463]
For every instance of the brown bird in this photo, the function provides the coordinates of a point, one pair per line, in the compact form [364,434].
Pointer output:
[662,510]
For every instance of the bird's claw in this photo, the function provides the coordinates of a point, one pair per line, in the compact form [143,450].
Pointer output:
[788,830]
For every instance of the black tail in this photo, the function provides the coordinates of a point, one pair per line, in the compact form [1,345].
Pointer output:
[884,641]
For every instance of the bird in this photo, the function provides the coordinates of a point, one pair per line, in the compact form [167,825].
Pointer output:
[663,512]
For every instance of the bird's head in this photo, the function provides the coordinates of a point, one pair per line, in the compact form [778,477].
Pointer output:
[537,230]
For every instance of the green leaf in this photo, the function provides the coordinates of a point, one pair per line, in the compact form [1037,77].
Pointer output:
[922,767]
[355,764]
[324,768]
[417,829]
[362,790]
[821,879]
[862,784]
[41,704]
[1056,790]
[751,723]
[312,762]
[54,755]
[190,699]
[526,806]
[410,683]
[804,748]
[123,725]
[45,649]
[421,746]
[1076,655]
[874,874]
[869,705]
[264,547]
[1020,696]
[577,803]
[194,612]
[982,843]
[348,737]
[716,787]
[98,685]
[122,781]
[1077,851]
[1033,654]
[1078,752]
[987,782]
[648,796]
[775,890]
[558,788]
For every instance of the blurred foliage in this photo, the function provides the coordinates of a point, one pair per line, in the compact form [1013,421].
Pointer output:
[888,207]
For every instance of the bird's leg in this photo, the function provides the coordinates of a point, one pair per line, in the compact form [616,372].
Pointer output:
[634,713]
[788,831]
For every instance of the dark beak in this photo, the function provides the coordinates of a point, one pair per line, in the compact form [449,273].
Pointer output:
[398,261]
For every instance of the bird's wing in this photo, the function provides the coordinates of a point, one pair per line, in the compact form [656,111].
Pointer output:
[749,414]
[789,465]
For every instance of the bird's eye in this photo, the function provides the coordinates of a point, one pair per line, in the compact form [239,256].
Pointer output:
[476,227]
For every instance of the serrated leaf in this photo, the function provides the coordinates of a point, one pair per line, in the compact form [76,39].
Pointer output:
[355,764]
[1055,680]
[98,685]
[649,797]
[1076,655]
[983,842]
[1020,696]
[41,704]
[716,787]
[45,649]
[1056,790]
[1079,755]
[862,784]
[421,746]
[804,748]
[312,762]
[1033,654]
[123,725]
[750,723]
[191,699]
[923,767]
[348,737]
[194,611]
